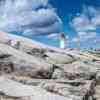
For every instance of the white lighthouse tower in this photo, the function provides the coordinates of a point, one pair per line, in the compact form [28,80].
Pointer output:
[62,41]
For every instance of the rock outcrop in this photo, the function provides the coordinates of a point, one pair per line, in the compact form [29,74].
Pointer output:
[39,72]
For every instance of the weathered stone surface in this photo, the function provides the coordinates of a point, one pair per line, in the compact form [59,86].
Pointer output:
[50,96]
[14,89]
[77,69]
[76,89]
[58,74]
[47,73]
[97,92]
[24,63]
[59,58]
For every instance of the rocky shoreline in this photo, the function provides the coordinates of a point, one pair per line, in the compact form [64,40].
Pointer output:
[48,73]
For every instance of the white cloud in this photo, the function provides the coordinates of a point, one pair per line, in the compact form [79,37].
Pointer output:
[84,36]
[96,20]
[26,4]
[92,11]
[54,36]
[75,40]
[23,16]
[22,5]
[85,25]
[88,19]
[82,23]
[95,13]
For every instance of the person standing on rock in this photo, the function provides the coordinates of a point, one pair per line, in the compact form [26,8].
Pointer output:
[62,41]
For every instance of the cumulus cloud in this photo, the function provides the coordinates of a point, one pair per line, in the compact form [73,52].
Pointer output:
[88,19]
[34,17]
[85,24]
[84,36]
[83,21]
[96,20]
[54,36]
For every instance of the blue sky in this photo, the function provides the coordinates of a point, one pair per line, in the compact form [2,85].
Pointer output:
[44,20]
[69,10]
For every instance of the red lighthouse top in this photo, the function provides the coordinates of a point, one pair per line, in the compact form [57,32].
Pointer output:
[62,36]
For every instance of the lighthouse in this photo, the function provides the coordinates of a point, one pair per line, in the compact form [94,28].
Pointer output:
[62,41]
